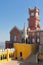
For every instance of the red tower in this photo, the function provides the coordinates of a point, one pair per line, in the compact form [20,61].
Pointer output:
[33,26]
[33,20]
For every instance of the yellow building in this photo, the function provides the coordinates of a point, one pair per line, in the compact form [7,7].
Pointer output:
[20,51]
[24,50]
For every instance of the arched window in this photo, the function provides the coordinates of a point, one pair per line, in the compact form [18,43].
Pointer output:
[15,38]
[37,39]
[33,40]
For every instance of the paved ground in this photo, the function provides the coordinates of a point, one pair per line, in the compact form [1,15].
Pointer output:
[19,63]
[10,63]
[27,63]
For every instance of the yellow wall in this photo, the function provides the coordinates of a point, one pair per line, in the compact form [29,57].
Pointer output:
[26,49]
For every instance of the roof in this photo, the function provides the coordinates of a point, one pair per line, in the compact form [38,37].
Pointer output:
[15,28]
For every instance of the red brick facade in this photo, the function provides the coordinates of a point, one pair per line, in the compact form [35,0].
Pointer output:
[33,25]
[33,20]
[15,32]
[8,44]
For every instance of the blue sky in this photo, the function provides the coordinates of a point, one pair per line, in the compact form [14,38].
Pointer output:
[15,13]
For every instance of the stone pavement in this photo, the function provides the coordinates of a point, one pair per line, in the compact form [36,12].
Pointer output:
[19,63]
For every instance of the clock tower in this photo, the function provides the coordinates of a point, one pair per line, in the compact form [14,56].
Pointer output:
[33,20]
[33,26]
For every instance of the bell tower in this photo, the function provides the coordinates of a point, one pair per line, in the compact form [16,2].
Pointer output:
[33,20]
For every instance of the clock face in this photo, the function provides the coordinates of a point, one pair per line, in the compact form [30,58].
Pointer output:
[32,14]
